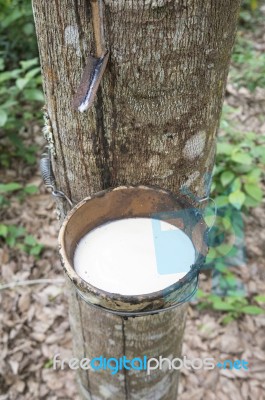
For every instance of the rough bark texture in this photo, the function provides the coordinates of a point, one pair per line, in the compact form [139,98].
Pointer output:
[97,333]
[154,122]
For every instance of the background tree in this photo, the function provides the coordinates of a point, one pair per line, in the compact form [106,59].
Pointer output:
[154,122]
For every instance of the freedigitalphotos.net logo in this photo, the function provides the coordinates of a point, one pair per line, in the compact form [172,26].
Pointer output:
[114,365]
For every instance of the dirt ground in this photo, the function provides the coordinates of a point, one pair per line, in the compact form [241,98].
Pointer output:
[34,319]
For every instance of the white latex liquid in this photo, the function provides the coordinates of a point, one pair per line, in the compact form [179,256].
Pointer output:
[134,256]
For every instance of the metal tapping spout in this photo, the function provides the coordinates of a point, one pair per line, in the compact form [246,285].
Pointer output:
[95,67]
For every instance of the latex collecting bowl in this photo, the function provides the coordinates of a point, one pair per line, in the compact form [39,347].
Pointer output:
[132,202]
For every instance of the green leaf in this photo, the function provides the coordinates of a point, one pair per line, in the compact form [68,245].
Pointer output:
[227,177]
[21,83]
[221,201]
[230,281]
[33,72]
[242,158]
[28,29]
[237,300]
[36,250]
[3,118]
[9,104]
[3,230]
[16,231]
[7,75]
[252,179]
[11,241]
[9,187]
[226,223]
[20,246]
[237,199]
[31,189]
[236,185]
[200,293]
[224,148]
[224,249]
[2,64]
[258,151]
[210,220]
[254,310]
[29,63]
[253,4]
[251,136]
[48,364]
[221,267]
[14,14]
[222,306]
[211,254]
[227,319]
[240,169]
[250,202]
[260,298]
[233,292]
[254,191]
[218,169]
[213,298]
[30,240]
[33,94]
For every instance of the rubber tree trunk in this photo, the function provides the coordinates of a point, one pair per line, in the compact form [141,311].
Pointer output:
[154,122]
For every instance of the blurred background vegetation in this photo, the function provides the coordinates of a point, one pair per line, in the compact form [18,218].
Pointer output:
[239,172]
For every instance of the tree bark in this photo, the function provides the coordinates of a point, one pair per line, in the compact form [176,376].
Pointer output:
[154,122]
